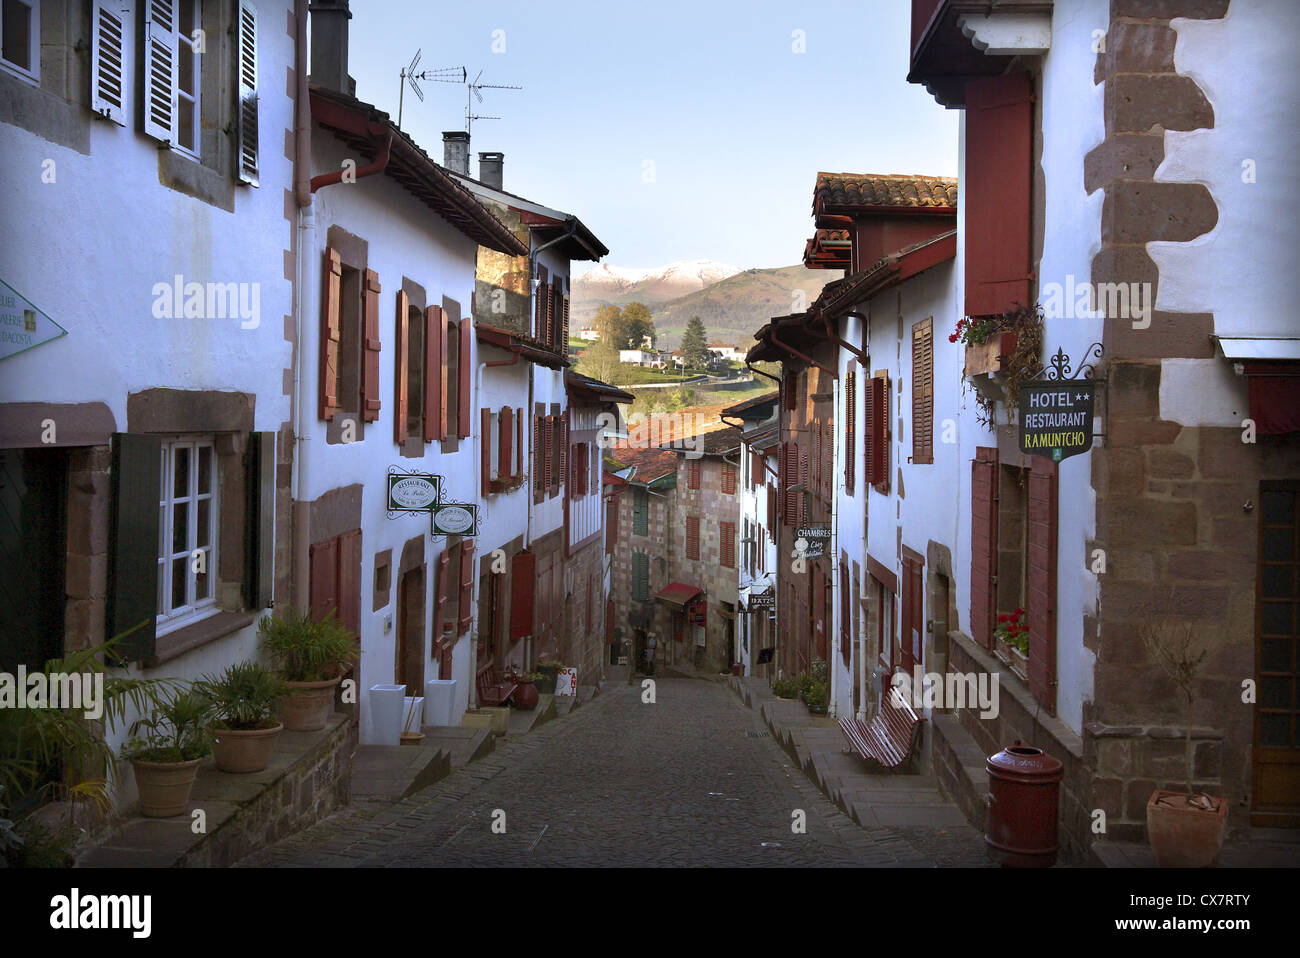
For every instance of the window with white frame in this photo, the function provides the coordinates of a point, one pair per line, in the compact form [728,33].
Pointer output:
[20,38]
[187,528]
[188,48]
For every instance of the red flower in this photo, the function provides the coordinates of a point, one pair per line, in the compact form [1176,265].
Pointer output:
[1004,618]
[1020,611]
[952,338]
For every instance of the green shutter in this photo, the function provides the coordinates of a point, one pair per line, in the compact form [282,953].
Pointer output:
[132,604]
[640,512]
[640,576]
[259,542]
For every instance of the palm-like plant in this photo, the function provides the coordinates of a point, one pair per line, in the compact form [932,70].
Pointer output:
[174,731]
[244,696]
[306,650]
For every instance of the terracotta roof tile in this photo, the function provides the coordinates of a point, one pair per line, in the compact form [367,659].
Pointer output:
[884,189]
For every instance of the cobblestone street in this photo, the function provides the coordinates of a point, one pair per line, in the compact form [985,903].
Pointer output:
[691,780]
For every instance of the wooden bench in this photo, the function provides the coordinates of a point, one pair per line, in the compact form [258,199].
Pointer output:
[889,738]
[493,689]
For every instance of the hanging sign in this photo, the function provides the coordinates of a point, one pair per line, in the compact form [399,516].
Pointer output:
[816,539]
[22,325]
[1056,418]
[763,602]
[455,519]
[696,611]
[412,492]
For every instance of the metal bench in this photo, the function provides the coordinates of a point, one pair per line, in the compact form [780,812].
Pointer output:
[493,689]
[889,738]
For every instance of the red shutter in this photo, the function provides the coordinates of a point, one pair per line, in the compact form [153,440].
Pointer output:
[803,496]
[441,595]
[983,543]
[548,453]
[519,443]
[728,479]
[611,524]
[562,442]
[850,429]
[564,324]
[791,479]
[923,392]
[727,535]
[550,314]
[828,460]
[485,447]
[817,455]
[402,330]
[329,334]
[692,537]
[324,562]
[874,424]
[370,364]
[539,454]
[505,453]
[466,598]
[996,194]
[465,369]
[1040,601]
[350,581]
[435,374]
[771,510]
[539,299]
[523,573]
[693,474]
[846,647]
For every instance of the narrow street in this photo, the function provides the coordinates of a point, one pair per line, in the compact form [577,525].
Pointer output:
[692,780]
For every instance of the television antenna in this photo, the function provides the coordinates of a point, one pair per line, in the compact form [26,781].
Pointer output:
[472,90]
[409,75]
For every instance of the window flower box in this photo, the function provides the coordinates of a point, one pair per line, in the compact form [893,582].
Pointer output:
[990,356]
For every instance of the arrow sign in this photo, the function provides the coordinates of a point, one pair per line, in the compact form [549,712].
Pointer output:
[22,325]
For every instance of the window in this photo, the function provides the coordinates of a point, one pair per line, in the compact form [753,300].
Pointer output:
[693,471]
[187,78]
[640,576]
[187,524]
[349,375]
[452,363]
[20,38]
[884,623]
[692,537]
[923,392]
[728,479]
[640,512]
[727,544]
[502,466]
[408,420]
[580,468]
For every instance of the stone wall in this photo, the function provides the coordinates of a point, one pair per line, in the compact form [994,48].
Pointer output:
[582,643]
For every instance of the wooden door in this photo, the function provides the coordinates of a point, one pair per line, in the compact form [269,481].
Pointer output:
[410,631]
[912,632]
[1276,792]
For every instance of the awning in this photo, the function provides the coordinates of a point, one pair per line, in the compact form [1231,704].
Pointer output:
[678,593]
[1274,396]
[1244,348]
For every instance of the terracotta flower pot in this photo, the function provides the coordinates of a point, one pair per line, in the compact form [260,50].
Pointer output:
[308,705]
[526,697]
[244,750]
[164,787]
[1182,836]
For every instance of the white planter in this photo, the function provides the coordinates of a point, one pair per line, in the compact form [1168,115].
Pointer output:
[385,708]
[440,702]
[412,723]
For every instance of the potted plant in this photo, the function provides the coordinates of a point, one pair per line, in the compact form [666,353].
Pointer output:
[166,758]
[526,695]
[816,697]
[548,671]
[786,688]
[1001,353]
[312,656]
[1185,828]
[1012,633]
[244,728]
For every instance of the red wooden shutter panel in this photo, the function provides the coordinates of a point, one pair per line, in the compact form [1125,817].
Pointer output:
[435,374]
[692,537]
[485,447]
[441,594]
[370,364]
[564,324]
[324,562]
[923,392]
[611,524]
[519,442]
[850,430]
[727,533]
[873,438]
[523,574]
[465,370]
[548,454]
[550,314]
[846,648]
[505,456]
[466,598]
[539,299]
[329,334]
[817,454]
[828,460]
[997,191]
[803,496]
[1040,601]
[562,441]
[402,330]
[983,543]
[350,581]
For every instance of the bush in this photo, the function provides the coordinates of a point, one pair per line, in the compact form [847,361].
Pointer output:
[305,650]
[244,696]
[786,688]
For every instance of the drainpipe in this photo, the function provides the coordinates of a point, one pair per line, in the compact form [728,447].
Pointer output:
[534,252]
[303,300]
[752,369]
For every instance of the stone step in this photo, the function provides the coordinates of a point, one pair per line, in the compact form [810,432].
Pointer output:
[463,744]
[391,772]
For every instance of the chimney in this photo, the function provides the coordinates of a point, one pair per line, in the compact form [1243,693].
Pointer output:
[489,169]
[455,152]
[329,46]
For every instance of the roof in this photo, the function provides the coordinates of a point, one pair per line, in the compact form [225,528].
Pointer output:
[362,126]
[740,408]
[763,439]
[828,249]
[547,223]
[531,349]
[836,191]
[647,463]
[587,388]
[678,593]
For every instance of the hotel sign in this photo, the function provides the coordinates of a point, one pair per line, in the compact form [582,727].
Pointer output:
[815,540]
[1056,418]
[763,602]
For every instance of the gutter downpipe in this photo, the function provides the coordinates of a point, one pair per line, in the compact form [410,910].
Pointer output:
[306,240]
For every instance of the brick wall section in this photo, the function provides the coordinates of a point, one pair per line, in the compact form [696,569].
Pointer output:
[582,642]
[1170,517]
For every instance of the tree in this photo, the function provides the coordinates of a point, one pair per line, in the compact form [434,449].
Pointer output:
[599,360]
[695,342]
[610,326]
[638,326]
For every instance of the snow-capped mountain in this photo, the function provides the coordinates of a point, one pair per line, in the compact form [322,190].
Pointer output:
[659,284]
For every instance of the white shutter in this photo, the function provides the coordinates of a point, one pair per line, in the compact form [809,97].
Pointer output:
[108,59]
[158,76]
[247,92]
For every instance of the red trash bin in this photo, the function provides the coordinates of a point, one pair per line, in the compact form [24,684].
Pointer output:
[1024,793]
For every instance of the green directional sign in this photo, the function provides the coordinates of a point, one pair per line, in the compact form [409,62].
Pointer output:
[22,325]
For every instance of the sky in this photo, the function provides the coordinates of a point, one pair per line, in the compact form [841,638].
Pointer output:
[674,131]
